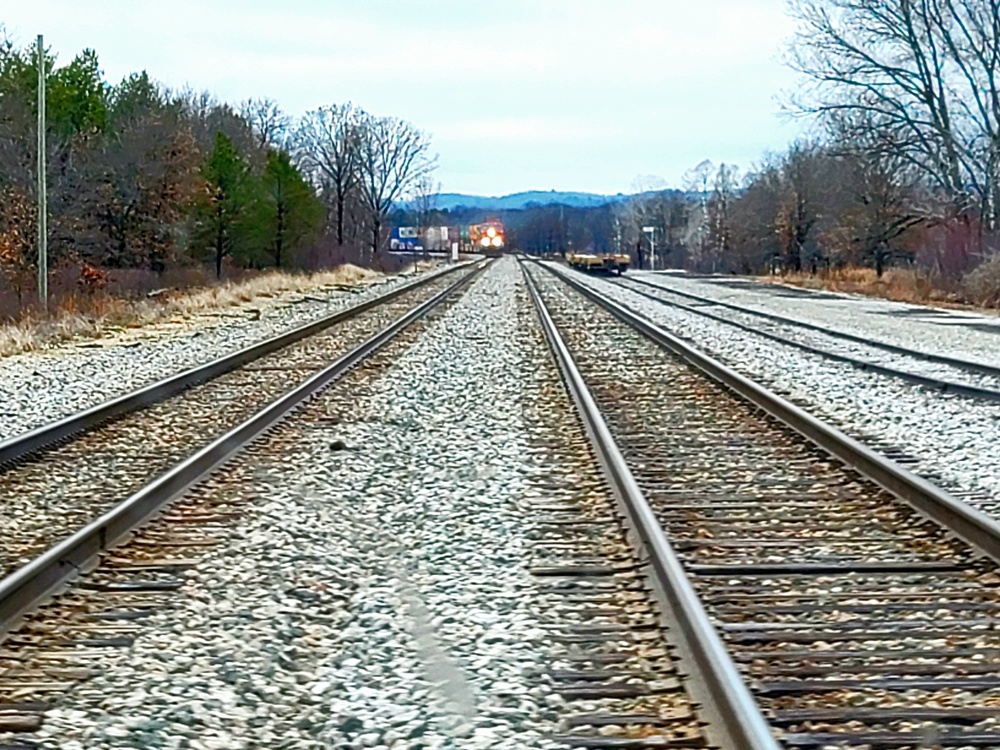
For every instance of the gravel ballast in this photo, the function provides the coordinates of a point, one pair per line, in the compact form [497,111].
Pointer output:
[69,485]
[376,592]
[815,578]
[864,353]
[955,333]
[39,387]
[954,441]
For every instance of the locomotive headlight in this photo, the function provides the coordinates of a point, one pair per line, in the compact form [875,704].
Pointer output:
[485,242]
[498,242]
[491,232]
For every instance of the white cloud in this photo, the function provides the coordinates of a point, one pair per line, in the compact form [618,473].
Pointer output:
[517,93]
[523,130]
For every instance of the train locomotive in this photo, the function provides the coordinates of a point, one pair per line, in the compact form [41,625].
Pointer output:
[488,238]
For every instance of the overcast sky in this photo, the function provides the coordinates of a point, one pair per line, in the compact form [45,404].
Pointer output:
[517,94]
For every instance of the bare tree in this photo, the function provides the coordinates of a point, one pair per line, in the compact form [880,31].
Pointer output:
[134,185]
[698,181]
[207,117]
[628,219]
[919,75]
[874,208]
[392,159]
[719,214]
[873,197]
[425,194]
[327,143]
[800,175]
[669,211]
[269,123]
[653,205]
[757,246]
[709,220]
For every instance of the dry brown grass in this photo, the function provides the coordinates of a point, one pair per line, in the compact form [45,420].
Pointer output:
[94,316]
[267,285]
[897,284]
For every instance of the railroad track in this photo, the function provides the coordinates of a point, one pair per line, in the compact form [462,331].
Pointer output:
[932,371]
[59,477]
[814,608]
[613,671]
[67,505]
[794,597]
[59,431]
[609,658]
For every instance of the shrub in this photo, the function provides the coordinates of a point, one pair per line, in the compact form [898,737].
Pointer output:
[982,284]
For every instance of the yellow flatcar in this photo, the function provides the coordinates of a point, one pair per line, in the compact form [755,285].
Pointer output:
[616,263]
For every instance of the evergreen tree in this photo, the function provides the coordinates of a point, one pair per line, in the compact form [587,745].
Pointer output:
[222,209]
[286,213]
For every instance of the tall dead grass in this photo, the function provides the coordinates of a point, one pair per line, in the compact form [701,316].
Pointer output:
[896,284]
[86,316]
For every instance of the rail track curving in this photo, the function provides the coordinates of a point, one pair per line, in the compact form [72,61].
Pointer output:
[826,596]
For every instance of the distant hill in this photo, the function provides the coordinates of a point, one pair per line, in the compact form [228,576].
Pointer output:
[515,201]
[529,198]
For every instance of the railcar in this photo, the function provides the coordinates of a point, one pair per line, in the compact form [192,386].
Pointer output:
[616,263]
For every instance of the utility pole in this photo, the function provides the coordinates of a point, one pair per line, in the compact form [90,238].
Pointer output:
[651,231]
[43,259]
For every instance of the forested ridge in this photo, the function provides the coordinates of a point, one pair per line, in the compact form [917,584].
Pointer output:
[900,169]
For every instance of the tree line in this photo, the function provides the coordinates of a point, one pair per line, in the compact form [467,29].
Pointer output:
[143,177]
[902,167]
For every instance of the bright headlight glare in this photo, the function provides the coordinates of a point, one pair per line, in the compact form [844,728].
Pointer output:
[485,242]
[498,242]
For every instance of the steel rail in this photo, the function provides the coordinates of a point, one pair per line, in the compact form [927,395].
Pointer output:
[971,525]
[716,682]
[26,587]
[945,386]
[963,364]
[34,441]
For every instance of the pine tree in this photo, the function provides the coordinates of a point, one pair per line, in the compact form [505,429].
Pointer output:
[223,208]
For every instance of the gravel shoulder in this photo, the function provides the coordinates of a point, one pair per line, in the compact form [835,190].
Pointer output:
[953,441]
[959,334]
[38,387]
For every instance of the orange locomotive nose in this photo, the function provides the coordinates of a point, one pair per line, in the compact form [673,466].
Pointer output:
[488,236]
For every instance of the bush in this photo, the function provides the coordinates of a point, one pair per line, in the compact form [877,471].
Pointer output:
[982,284]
